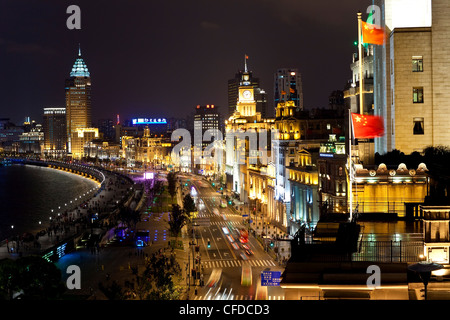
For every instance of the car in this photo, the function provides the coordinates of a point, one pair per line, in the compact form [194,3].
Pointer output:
[235,246]
[243,256]
[249,252]
[230,238]
[246,246]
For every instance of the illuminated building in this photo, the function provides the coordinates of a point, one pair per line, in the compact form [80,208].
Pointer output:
[55,132]
[147,151]
[412,72]
[32,142]
[102,150]
[387,191]
[333,182]
[9,135]
[304,181]
[78,101]
[297,130]
[288,87]
[206,118]
[80,138]
[436,234]
[352,89]
[245,77]
[244,117]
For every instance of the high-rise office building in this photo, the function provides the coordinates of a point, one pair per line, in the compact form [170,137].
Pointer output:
[78,101]
[206,118]
[411,75]
[55,131]
[288,87]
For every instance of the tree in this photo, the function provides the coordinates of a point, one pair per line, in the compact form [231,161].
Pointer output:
[172,184]
[8,279]
[177,220]
[188,205]
[160,273]
[128,216]
[32,276]
[113,291]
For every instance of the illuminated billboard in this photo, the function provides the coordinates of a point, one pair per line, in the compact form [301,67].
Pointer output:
[137,121]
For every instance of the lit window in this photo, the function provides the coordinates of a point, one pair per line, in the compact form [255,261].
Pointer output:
[418,95]
[417,64]
[418,126]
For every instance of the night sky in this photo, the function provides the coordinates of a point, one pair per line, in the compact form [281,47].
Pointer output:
[162,58]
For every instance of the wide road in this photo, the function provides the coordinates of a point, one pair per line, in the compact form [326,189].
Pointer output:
[219,226]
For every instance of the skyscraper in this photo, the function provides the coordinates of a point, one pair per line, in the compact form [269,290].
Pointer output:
[55,131]
[78,100]
[288,87]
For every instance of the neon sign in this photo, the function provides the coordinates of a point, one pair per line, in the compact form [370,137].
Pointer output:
[149,121]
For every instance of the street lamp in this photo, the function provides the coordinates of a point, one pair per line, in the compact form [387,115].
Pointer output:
[424,269]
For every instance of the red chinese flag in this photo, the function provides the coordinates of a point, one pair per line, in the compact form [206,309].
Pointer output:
[366,126]
[372,33]
[291,90]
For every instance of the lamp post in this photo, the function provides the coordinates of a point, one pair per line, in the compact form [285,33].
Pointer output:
[424,269]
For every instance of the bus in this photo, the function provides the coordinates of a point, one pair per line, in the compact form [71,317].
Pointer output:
[246,275]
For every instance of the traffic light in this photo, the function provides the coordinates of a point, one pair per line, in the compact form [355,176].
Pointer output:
[229,202]
[186,184]
[197,248]
[213,184]
[271,244]
[209,244]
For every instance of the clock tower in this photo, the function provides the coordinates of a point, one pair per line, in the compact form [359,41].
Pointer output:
[246,104]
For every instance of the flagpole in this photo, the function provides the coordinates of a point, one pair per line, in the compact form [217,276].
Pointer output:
[361,85]
[350,166]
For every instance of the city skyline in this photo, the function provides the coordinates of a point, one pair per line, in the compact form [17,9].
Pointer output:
[148,71]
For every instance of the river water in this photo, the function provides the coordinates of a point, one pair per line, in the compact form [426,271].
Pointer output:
[29,193]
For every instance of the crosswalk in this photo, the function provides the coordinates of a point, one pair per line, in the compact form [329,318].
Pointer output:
[236,263]
[240,297]
[212,215]
[224,223]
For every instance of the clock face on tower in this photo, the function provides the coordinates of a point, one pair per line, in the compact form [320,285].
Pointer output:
[247,94]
